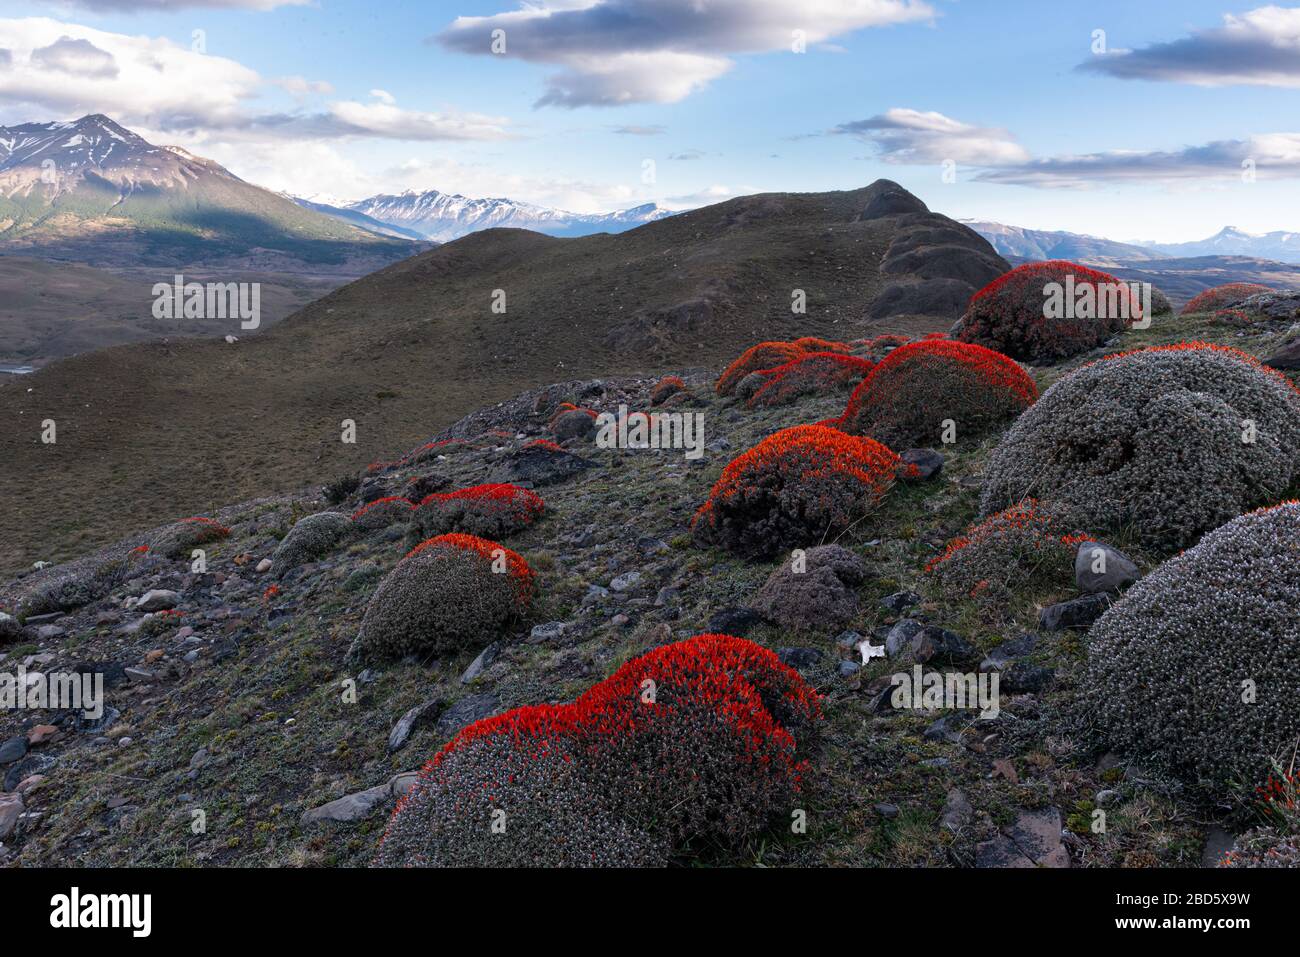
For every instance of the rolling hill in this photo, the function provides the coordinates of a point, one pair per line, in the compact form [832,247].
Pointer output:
[155,430]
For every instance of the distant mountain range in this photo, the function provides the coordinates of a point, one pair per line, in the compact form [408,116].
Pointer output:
[1020,243]
[442,217]
[93,191]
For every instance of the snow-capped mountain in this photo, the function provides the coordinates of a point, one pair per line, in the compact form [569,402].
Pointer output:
[92,191]
[1020,243]
[1279,245]
[446,216]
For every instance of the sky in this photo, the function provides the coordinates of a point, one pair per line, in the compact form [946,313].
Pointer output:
[1163,120]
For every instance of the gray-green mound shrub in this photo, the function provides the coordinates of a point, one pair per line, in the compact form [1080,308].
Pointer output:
[310,538]
[1169,442]
[443,597]
[1195,670]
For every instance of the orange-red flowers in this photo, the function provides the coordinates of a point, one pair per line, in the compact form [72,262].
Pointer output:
[511,563]
[908,397]
[795,487]
[815,372]
[1216,298]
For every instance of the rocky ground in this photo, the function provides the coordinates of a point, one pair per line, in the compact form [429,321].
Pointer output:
[237,733]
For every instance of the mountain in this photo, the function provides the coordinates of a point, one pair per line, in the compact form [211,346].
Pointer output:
[1183,278]
[443,217]
[1279,246]
[93,191]
[1035,244]
[407,350]
[355,217]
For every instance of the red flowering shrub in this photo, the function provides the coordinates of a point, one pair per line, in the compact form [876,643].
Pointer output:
[794,487]
[668,385]
[813,344]
[1222,296]
[545,444]
[1232,317]
[812,374]
[703,738]
[765,355]
[1018,315]
[449,593]
[494,511]
[383,512]
[906,399]
[179,539]
[1024,543]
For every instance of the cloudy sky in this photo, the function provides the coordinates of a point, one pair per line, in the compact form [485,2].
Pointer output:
[1165,119]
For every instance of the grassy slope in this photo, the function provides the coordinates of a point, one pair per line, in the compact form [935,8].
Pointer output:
[148,432]
[264,771]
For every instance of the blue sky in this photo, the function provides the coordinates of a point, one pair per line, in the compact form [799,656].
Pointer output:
[339,98]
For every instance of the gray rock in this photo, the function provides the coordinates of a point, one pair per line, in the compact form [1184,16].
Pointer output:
[13,749]
[549,632]
[887,811]
[466,711]
[625,582]
[800,658]
[1025,678]
[901,635]
[1033,840]
[849,668]
[1008,651]
[1100,568]
[928,464]
[50,632]
[941,646]
[11,808]
[485,658]
[350,807]
[1078,613]
[408,722]
[158,599]
[899,600]
[957,811]
[736,620]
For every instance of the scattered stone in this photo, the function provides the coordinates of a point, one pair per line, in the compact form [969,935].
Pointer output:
[1034,840]
[941,646]
[158,599]
[957,811]
[887,811]
[849,668]
[264,565]
[928,464]
[13,750]
[1025,678]
[800,658]
[1100,568]
[41,734]
[350,807]
[1106,797]
[139,675]
[625,582]
[899,600]
[50,632]
[485,658]
[901,635]
[549,632]
[407,723]
[11,808]
[735,620]
[1008,651]
[466,711]
[1078,613]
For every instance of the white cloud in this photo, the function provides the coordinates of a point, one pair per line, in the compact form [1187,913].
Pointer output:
[300,86]
[660,51]
[1270,156]
[1261,47]
[114,6]
[383,95]
[912,137]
